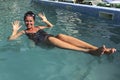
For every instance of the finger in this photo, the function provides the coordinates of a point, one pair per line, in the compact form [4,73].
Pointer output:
[17,22]
[43,13]
[12,23]
[20,27]
[40,14]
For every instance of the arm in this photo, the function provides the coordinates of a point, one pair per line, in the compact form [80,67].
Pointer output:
[44,19]
[15,34]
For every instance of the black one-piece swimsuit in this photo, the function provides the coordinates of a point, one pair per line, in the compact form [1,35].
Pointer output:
[39,36]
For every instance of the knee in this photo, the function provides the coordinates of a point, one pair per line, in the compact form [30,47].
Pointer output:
[60,35]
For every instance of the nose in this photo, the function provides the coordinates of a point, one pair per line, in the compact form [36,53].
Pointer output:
[28,22]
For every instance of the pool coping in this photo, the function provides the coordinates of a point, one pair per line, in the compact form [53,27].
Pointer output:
[95,11]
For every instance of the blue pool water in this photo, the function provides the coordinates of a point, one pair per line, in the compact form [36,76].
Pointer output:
[22,60]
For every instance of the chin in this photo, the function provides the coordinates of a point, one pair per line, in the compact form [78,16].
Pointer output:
[29,26]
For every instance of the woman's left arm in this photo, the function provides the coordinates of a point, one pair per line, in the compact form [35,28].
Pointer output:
[44,19]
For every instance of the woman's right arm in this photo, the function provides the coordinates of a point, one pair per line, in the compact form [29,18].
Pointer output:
[15,34]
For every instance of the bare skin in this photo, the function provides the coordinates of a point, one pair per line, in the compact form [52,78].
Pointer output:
[61,40]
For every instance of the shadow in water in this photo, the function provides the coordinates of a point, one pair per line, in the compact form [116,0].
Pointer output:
[45,45]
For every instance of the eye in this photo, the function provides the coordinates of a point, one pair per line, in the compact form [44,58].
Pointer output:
[31,21]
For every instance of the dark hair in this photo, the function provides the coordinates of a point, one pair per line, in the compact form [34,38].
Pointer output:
[29,13]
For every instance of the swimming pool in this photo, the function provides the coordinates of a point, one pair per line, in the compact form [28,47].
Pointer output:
[112,14]
[22,60]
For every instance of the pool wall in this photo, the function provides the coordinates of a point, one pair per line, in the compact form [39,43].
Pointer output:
[95,11]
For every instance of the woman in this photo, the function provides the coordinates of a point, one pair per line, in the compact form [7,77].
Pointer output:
[37,34]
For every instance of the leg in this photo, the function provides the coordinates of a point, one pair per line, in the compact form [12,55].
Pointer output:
[75,41]
[81,44]
[59,43]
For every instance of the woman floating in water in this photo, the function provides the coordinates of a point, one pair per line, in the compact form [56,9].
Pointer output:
[37,34]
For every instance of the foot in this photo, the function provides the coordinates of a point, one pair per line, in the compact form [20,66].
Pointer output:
[109,51]
[102,50]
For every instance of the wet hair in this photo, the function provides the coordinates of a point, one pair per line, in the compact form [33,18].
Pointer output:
[29,13]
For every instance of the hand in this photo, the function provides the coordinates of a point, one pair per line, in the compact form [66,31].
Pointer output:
[16,25]
[42,16]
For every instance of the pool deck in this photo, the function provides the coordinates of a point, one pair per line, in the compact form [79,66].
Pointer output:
[95,11]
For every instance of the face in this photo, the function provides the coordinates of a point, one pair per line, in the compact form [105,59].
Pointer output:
[29,22]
